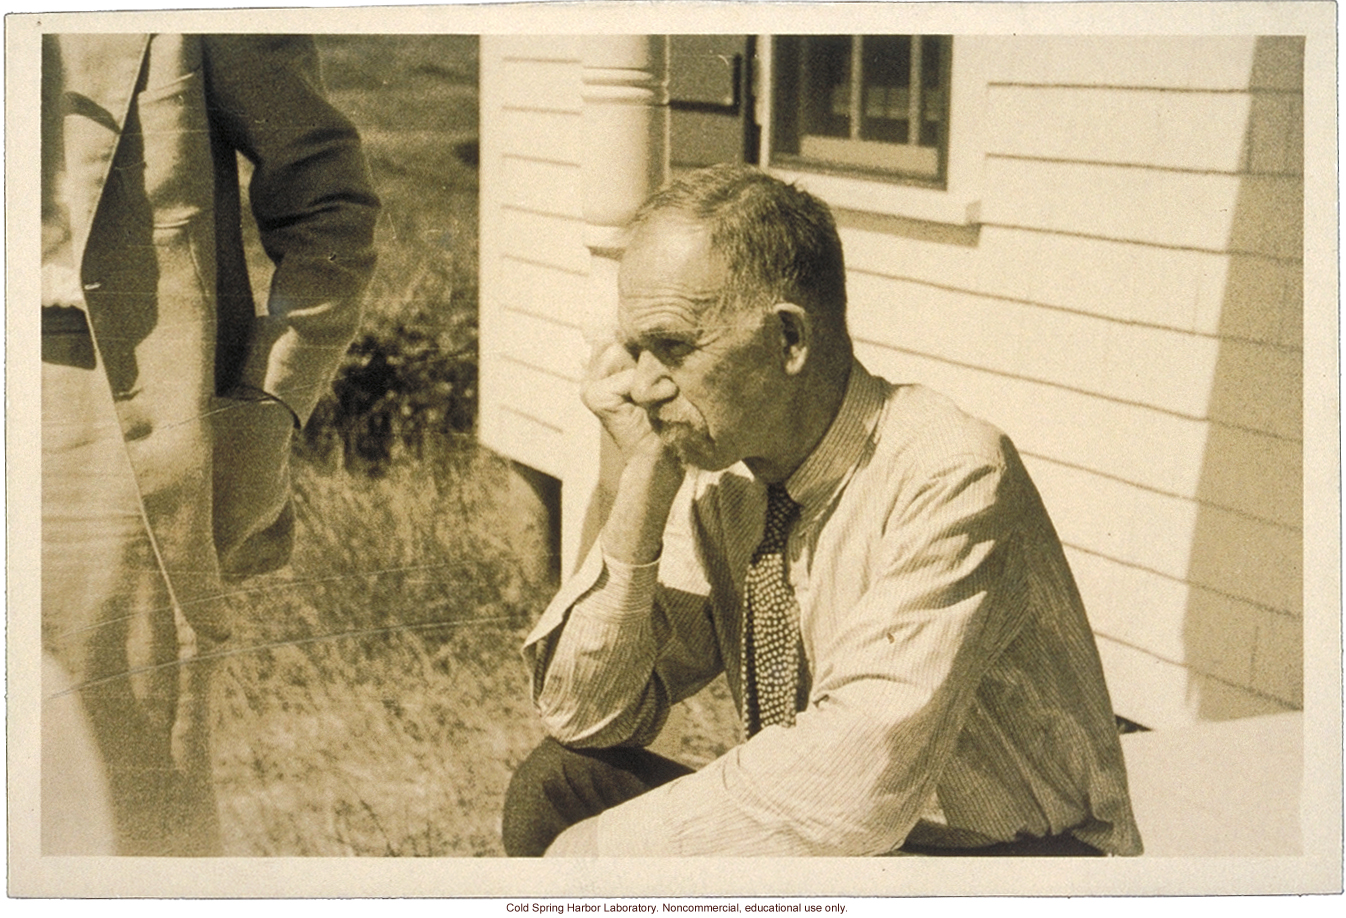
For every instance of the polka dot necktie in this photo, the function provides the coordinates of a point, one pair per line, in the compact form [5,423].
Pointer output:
[770,672]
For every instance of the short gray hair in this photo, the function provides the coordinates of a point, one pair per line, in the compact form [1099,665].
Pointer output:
[779,243]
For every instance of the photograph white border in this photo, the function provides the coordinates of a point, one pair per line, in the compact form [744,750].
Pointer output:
[1317,870]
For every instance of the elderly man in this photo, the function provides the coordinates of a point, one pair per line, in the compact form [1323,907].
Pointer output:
[872,569]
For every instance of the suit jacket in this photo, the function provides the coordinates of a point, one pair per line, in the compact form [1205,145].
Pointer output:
[150,128]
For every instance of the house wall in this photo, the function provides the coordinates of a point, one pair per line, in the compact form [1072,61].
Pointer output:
[1128,307]
[535,266]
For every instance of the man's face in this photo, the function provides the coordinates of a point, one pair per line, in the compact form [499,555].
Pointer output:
[703,375]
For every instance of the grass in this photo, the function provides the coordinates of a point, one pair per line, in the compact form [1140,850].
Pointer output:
[383,705]
[374,701]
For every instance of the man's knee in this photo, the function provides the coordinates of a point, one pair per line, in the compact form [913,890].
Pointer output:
[556,787]
[531,819]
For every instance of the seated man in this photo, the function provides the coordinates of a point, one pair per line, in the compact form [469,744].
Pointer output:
[872,569]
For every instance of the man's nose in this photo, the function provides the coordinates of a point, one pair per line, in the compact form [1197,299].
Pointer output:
[652,384]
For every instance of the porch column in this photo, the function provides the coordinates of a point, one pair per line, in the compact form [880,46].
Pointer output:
[625,158]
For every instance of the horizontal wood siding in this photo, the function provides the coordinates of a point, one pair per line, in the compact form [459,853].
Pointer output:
[542,186]
[533,260]
[1184,63]
[1185,290]
[1176,130]
[548,239]
[542,85]
[1130,312]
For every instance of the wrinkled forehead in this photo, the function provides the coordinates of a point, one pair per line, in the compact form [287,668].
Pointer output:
[669,267]
[667,242]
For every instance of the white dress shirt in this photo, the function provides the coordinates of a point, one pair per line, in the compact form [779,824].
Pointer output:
[956,695]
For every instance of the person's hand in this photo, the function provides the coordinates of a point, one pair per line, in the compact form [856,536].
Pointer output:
[254,521]
[651,471]
[607,393]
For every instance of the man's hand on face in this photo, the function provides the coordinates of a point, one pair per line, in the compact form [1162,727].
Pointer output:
[652,472]
[607,393]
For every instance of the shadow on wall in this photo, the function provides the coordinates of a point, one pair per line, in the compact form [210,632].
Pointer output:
[1243,624]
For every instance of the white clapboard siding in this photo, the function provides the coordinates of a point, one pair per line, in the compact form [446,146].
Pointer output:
[1270,217]
[1177,130]
[1241,556]
[1180,209]
[536,443]
[1153,449]
[533,261]
[543,343]
[1276,138]
[1189,62]
[1257,214]
[543,186]
[540,85]
[1213,634]
[1122,601]
[1208,293]
[1254,474]
[541,290]
[544,238]
[1154,183]
[1278,664]
[538,394]
[1121,515]
[536,47]
[1262,300]
[1070,349]
[1164,695]
[553,136]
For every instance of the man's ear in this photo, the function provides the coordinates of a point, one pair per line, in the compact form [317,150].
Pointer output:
[796,332]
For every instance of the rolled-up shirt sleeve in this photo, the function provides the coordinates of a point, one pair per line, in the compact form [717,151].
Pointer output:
[598,688]
[894,676]
[621,643]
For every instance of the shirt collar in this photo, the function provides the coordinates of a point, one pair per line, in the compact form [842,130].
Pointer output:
[841,448]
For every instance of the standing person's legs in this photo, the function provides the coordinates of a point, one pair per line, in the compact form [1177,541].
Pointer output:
[556,787]
[109,622]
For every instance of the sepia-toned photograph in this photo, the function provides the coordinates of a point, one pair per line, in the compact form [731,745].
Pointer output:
[460,440]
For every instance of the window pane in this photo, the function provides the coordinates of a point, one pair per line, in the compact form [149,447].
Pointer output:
[826,82]
[887,88]
[932,78]
[872,104]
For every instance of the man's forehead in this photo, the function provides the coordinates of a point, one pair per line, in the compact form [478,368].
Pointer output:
[641,319]
[668,274]
[667,240]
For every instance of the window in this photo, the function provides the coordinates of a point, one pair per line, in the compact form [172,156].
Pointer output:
[874,104]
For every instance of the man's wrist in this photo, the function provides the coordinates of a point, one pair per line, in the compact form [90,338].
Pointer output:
[660,473]
[645,493]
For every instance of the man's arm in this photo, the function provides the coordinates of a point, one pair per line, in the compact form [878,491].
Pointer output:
[894,678]
[313,201]
[315,209]
[614,649]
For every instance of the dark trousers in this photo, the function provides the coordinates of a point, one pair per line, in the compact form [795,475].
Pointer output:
[556,787]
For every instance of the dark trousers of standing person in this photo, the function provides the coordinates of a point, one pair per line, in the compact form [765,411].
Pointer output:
[556,787]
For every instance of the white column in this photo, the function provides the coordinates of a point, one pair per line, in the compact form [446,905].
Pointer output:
[625,158]
[625,92]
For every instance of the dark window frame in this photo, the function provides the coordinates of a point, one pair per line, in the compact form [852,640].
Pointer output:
[855,155]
